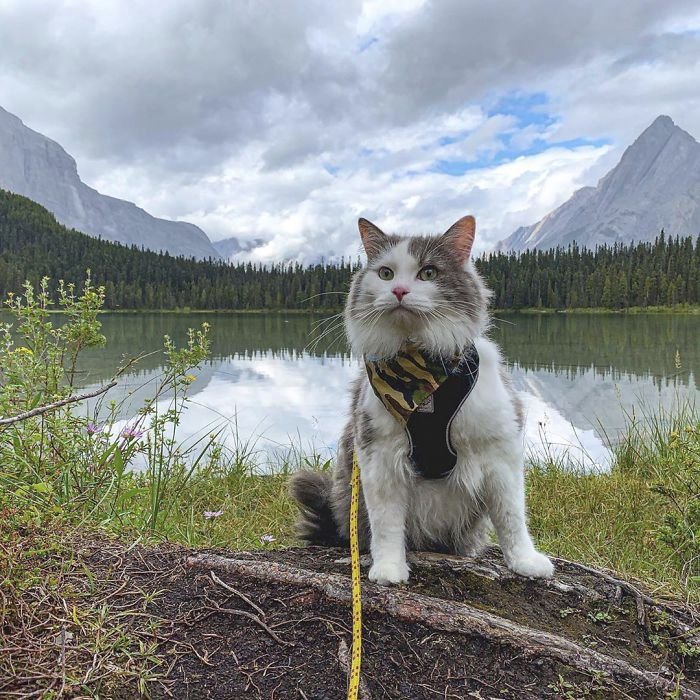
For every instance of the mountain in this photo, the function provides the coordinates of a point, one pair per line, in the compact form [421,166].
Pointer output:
[656,185]
[228,247]
[38,168]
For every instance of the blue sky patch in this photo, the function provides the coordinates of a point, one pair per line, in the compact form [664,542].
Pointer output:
[527,108]
[507,154]
[530,112]
[366,42]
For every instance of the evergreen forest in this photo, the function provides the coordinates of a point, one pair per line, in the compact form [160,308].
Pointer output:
[33,245]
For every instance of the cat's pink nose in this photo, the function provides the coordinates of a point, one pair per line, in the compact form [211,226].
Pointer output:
[400,292]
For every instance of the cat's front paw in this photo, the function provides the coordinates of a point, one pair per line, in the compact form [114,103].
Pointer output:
[533,565]
[385,572]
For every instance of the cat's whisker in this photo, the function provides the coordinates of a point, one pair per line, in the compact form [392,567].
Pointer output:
[313,345]
[327,331]
[338,327]
[322,294]
[320,322]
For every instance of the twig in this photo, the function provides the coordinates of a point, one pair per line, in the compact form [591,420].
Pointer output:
[242,596]
[641,599]
[57,404]
[344,660]
[250,616]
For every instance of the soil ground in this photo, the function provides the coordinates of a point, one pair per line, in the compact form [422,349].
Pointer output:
[231,636]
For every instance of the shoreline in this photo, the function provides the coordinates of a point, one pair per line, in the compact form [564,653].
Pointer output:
[684,310]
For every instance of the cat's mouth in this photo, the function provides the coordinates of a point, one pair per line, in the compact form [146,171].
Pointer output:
[402,310]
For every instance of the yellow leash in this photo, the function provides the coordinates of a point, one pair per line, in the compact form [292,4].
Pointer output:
[356,655]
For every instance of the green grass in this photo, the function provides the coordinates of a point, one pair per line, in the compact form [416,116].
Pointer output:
[607,520]
[618,519]
[641,518]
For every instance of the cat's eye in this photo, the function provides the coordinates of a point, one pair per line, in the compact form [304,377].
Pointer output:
[385,273]
[428,273]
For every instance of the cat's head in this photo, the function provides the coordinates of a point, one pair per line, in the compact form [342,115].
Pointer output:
[424,288]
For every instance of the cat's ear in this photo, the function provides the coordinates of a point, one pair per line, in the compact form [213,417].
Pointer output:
[374,240]
[460,237]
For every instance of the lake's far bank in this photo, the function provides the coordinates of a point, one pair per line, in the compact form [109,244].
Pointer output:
[679,309]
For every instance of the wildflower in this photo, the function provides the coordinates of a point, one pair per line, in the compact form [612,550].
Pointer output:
[210,514]
[93,428]
[131,432]
[189,378]
[266,539]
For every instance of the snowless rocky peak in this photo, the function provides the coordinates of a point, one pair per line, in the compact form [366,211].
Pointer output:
[656,185]
[38,168]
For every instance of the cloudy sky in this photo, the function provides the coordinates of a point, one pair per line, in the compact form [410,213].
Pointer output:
[285,121]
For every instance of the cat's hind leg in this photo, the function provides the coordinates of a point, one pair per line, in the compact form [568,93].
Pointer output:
[472,540]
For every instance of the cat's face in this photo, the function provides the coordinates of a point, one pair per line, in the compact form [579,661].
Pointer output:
[423,288]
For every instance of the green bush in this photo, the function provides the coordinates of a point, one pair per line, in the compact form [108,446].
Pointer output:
[64,462]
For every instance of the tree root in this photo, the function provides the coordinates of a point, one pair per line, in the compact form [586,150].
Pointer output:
[446,616]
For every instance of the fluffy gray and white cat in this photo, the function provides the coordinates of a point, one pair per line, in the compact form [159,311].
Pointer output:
[432,296]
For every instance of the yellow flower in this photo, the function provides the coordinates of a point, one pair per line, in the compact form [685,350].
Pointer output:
[189,378]
[23,350]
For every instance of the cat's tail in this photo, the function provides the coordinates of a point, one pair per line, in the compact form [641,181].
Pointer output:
[315,524]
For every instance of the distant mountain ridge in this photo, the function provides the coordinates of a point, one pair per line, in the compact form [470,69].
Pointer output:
[38,168]
[656,185]
[227,248]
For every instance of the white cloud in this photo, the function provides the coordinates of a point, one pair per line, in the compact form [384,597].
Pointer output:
[286,125]
[323,222]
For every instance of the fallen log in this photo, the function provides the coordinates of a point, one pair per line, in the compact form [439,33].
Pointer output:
[643,673]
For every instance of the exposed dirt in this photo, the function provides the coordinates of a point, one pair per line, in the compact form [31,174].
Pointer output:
[220,654]
[228,636]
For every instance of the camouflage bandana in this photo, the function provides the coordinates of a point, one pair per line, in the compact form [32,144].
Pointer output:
[424,394]
[405,382]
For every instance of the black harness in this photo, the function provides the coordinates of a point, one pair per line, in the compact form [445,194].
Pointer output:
[427,424]
[428,427]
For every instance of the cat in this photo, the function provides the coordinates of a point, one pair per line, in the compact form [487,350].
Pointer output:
[425,291]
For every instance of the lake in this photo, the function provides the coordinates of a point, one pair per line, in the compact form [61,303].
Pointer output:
[274,384]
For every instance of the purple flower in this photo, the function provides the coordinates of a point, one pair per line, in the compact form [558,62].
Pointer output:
[93,428]
[265,539]
[209,514]
[131,432]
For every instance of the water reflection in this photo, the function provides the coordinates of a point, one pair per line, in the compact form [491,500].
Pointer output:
[578,375]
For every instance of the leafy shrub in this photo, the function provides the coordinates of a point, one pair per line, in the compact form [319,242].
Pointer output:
[63,461]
